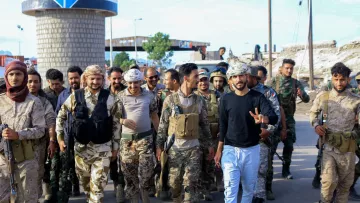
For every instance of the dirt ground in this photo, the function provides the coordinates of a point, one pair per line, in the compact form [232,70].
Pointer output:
[304,108]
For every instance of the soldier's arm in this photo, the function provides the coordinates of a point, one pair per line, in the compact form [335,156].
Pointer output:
[62,116]
[154,113]
[116,114]
[50,119]
[304,96]
[315,111]
[37,121]
[273,98]
[164,124]
[205,136]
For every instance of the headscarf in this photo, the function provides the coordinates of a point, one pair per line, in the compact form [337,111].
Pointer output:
[17,94]
[91,70]
[133,75]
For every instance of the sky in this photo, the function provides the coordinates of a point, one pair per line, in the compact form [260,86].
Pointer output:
[235,24]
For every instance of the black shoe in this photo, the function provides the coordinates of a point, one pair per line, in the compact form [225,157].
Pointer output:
[76,191]
[353,195]
[270,195]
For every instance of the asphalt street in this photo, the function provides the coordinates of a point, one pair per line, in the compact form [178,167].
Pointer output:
[298,190]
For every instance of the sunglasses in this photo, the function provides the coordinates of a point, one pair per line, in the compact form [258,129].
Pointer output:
[153,77]
[222,70]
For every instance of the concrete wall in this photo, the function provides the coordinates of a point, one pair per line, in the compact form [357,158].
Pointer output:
[69,37]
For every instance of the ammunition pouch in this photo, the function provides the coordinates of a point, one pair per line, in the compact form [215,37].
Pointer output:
[22,150]
[214,129]
[184,126]
[344,142]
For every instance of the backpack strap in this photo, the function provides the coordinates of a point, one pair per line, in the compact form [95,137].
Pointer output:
[80,96]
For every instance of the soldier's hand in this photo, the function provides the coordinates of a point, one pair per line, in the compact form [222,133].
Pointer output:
[217,159]
[320,130]
[159,93]
[283,134]
[158,153]
[114,155]
[62,146]
[264,134]
[299,92]
[10,134]
[51,149]
[211,153]
[129,124]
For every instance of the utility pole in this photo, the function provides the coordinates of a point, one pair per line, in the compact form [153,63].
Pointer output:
[311,54]
[270,40]
[135,39]
[20,29]
[111,47]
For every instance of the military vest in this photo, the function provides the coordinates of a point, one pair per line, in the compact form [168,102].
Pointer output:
[184,123]
[287,96]
[343,141]
[212,107]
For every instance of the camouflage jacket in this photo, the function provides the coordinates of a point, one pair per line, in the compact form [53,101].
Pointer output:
[114,109]
[272,97]
[286,88]
[51,96]
[168,110]
[342,110]
[26,118]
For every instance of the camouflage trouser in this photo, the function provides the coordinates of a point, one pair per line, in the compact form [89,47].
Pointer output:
[207,176]
[67,176]
[92,169]
[26,177]
[290,140]
[115,173]
[55,174]
[184,169]
[270,171]
[260,191]
[137,163]
[337,173]
[41,149]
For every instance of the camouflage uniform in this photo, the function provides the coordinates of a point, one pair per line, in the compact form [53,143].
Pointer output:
[41,144]
[92,161]
[286,87]
[208,167]
[55,162]
[338,165]
[28,119]
[184,156]
[272,97]
[137,156]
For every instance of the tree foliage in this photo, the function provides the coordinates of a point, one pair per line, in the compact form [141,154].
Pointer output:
[120,58]
[158,47]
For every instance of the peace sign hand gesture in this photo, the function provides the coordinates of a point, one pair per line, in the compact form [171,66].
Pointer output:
[259,118]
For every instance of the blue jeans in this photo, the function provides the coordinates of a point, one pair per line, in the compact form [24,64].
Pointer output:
[240,164]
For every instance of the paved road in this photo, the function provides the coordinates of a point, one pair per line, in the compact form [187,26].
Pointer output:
[298,190]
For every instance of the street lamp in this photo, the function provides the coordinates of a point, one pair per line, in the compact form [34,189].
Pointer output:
[135,38]
[20,29]
[111,47]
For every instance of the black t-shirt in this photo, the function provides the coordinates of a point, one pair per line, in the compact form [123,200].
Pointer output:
[237,126]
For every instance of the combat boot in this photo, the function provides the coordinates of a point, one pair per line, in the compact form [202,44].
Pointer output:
[286,172]
[76,190]
[270,195]
[353,194]
[47,192]
[258,200]
[120,195]
[145,196]
[317,179]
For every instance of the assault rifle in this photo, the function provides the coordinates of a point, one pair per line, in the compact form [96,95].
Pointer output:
[269,144]
[11,162]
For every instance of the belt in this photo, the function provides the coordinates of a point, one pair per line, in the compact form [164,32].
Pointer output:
[136,136]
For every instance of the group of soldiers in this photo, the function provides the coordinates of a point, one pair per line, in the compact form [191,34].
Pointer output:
[62,138]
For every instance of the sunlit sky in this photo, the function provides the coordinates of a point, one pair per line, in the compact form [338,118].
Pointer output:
[235,24]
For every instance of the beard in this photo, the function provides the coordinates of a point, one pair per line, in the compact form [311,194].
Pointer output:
[75,85]
[241,88]
[340,91]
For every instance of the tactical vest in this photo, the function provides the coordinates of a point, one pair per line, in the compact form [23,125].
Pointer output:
[98,127]
[288,103]
[22,150]
[343,141]
[185,122]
